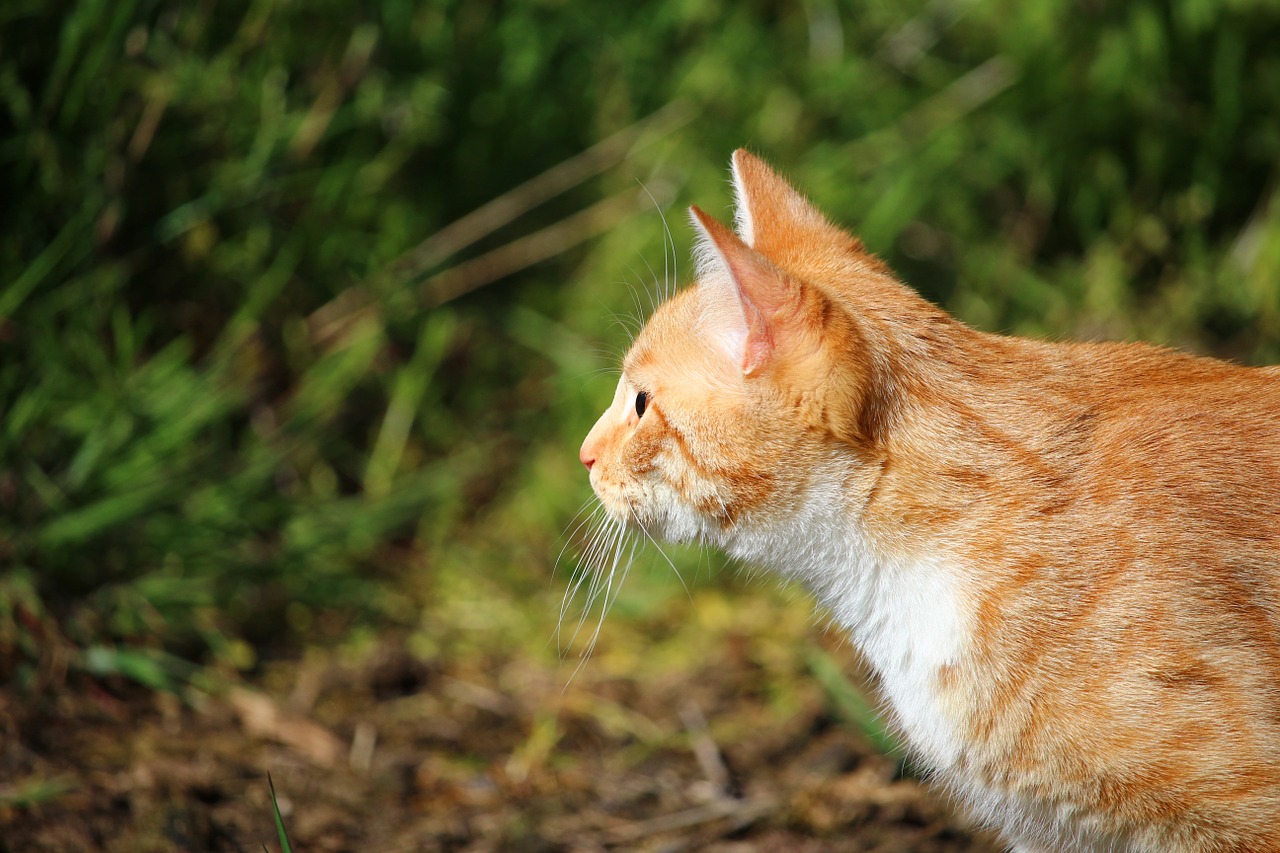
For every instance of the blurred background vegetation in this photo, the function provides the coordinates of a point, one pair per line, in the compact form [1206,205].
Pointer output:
[273,371]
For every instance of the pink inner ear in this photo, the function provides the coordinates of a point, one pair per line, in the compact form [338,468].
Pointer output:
[760,288]
[759,345]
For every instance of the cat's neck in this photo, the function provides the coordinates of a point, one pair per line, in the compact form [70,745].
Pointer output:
[908,615]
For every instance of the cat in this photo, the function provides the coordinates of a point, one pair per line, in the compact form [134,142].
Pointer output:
[1061,560]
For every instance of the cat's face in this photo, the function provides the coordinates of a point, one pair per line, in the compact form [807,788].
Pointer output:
[688,444]
[729,398]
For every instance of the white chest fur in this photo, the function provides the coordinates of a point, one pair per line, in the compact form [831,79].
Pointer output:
[908,618]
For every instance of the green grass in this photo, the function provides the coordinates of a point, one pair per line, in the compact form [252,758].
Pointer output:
[285,846]
[256,394]
[33,792]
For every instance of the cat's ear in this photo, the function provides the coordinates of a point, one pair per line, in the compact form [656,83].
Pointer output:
[753,301]
[770,212]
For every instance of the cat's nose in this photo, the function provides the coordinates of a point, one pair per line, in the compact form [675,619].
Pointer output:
[587,453]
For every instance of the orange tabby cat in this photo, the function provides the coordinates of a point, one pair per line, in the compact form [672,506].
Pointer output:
[1062,561]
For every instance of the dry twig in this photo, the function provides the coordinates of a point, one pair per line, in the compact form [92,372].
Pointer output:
[563,176]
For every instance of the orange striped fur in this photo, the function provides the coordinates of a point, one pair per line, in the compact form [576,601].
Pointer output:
[1061,560]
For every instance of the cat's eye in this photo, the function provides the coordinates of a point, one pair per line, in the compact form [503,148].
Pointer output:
[642,401]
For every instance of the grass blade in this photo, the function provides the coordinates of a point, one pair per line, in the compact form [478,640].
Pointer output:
[285,846]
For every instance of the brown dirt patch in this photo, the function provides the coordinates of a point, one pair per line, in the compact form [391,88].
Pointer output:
[383,751]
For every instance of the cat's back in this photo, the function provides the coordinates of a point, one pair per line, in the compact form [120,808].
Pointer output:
[1144,428]
[1083,447]
[1186,445]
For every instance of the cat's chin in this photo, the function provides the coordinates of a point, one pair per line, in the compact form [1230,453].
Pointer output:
[678,526]
[690,529]
[675,534]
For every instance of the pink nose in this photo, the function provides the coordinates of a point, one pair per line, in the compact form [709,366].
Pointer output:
[587,457]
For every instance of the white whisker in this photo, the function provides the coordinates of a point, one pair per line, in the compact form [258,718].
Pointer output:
[607,588]
[645,531]
[656,292]
[568,535]
[586,568]
[593,569]
[636,301]
[670,278]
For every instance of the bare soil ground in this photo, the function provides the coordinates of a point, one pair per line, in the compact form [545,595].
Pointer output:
[735,748]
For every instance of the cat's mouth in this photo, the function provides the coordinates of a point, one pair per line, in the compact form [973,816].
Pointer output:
[654,511]
[631,513]
[624,510]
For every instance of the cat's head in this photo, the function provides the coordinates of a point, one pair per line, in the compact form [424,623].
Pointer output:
[741,387]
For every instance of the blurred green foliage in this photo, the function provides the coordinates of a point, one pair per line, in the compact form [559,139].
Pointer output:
[245,403]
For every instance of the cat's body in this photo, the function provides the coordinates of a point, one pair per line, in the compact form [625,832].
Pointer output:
[1062,561]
